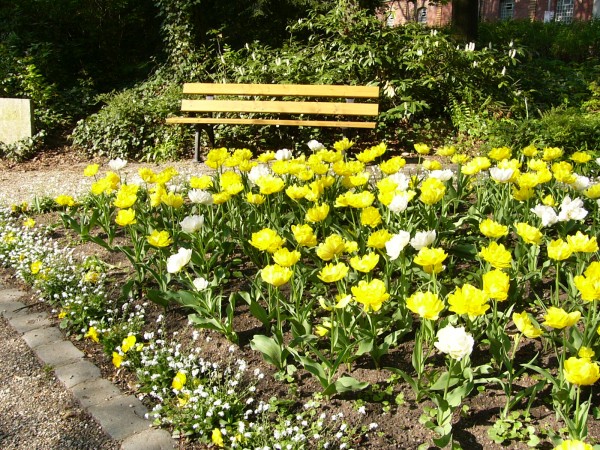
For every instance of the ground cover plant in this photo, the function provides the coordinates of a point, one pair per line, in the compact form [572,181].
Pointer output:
[454,276]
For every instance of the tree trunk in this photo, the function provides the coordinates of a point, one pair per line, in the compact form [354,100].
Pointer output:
[465,19]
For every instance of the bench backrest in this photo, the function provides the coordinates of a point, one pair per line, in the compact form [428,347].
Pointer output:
[307,99]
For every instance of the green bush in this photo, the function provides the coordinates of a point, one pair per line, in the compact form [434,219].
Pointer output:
[568,128]
[422,73]
[131,124]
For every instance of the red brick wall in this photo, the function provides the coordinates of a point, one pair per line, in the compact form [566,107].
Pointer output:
[439,15]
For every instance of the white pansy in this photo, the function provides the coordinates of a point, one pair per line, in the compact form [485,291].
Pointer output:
[258,171]
[200,283]
[571,210]
[315,145]
[501,175]
[200,196]
[454,342]
[283,155]
[399,203]
[191,224]
[423,239]
[546,214]
[396,244]
[178,261]
[442,175]
[117,164]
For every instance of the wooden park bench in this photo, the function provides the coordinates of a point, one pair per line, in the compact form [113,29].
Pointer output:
[207,104]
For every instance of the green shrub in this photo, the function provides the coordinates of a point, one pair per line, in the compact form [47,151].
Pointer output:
[422,73]
[131,124]
[568,128]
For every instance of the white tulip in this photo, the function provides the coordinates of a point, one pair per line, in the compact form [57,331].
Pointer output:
[191,224]
[315,146]
[396,244]
[423,239]
[283,155]
[546,213]
[571,210]
[200,283]
[455,342]
[200,196]
[117,164]
[178,261]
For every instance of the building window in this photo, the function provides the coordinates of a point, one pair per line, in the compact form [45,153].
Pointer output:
[422,15]
[507,9]
[564,11]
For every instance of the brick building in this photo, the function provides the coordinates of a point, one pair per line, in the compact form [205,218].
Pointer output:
[435,14]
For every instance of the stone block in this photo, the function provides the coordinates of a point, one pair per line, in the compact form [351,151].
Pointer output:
[13,309]
[58,354]
[94,392]
[10,295]
[42,336]
[151,439]
[16,119]
[30,321]
[120,417]
[73,374]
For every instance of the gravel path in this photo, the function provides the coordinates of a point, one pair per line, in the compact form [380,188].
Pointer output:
[36,412]
[55,176]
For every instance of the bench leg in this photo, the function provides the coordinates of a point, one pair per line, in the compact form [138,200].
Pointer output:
[211,137]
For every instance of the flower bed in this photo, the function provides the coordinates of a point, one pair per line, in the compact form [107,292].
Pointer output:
[341,259]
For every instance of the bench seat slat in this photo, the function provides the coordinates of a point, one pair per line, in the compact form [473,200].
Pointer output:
[292,107]
[282,90]
[307,123]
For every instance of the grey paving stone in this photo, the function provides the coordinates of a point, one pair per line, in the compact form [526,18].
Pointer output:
[58,353]
[12,309]
[30,321]
[42,336]
[94,392]
[10,295]
[120,417]
[151,439]
[78,372]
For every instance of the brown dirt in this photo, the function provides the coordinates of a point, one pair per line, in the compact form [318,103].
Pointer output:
[399,426]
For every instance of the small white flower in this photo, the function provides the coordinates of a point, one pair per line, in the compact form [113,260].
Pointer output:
[191,224]
[423,239]
[396,244]
[283,155]
[314,145]
[177,261]
[200,283]
[455,342]
[200,196]
[117,164]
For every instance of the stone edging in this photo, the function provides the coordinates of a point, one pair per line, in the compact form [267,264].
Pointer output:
[121,416]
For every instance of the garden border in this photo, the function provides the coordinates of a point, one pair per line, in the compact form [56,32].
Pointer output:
[121,416]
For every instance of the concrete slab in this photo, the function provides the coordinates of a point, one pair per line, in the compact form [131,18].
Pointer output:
[12,309]
[58,354]
[73,374]
[120,417]
[42,336]
[10,295]
[149,440]
[30,321]
[94,392]
[16,119]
